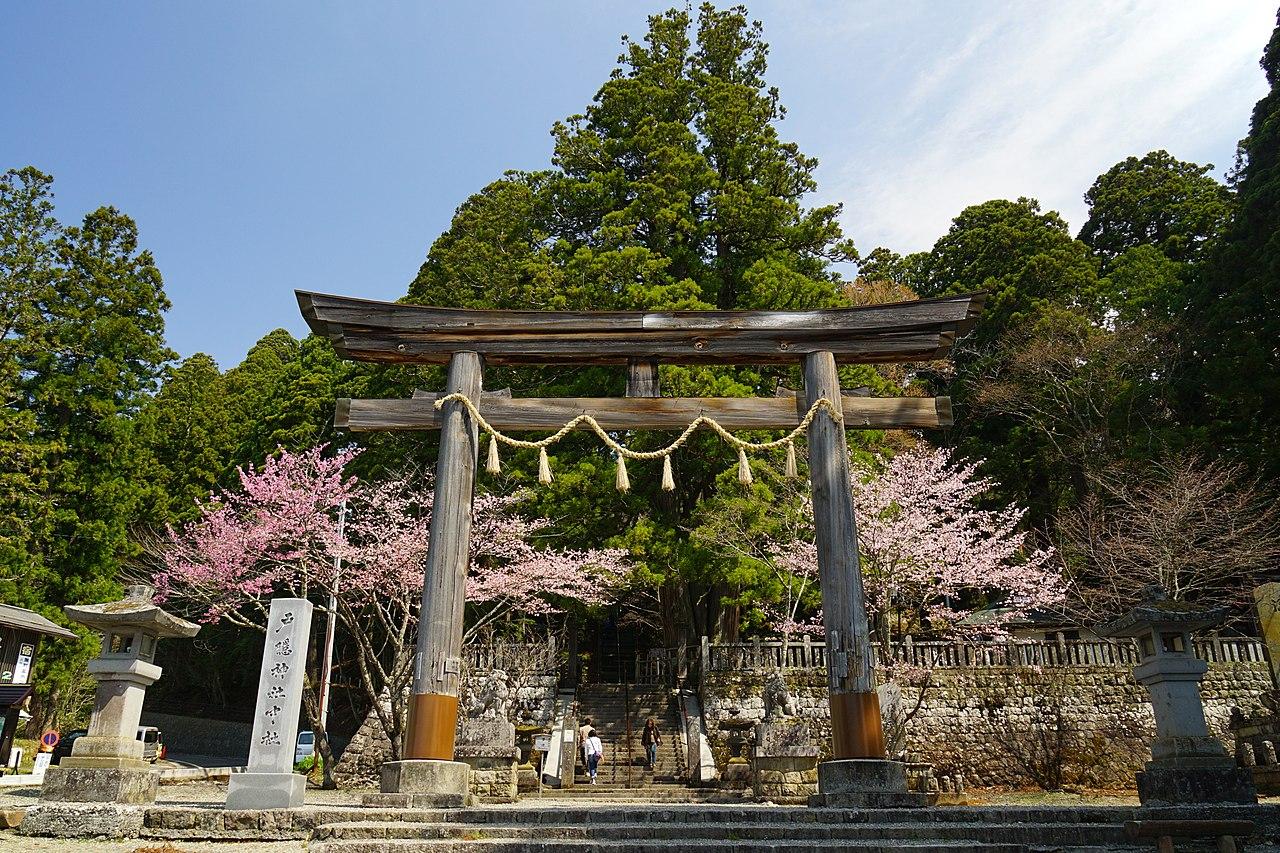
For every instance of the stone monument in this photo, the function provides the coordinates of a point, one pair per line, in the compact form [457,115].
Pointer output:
[487,739]
[786,752]
[1188,765]
[269,782]
[106,764]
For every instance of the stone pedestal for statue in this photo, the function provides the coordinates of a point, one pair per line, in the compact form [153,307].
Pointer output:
[785,758]
[106,764]
[486,739]
[785,764]
[488,747]
[1188,765]
[269,782]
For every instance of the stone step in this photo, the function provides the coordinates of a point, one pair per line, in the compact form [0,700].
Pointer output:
[480,844]
[975,833]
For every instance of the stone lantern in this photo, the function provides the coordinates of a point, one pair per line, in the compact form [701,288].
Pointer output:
[106,764]
[1188,765]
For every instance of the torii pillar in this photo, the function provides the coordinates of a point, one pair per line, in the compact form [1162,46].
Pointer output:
[427,776]
[858,775]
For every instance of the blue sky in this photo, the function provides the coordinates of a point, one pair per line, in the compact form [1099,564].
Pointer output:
[264,147]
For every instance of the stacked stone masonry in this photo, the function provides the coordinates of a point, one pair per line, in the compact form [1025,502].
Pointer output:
[532,704]
[1001,726]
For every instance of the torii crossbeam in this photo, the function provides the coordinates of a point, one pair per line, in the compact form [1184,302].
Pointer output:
[466,340]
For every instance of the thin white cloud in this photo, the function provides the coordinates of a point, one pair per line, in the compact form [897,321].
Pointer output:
[1032,99]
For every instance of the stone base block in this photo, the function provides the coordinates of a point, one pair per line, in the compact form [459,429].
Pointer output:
[1172,785]
[787,779]
[494,779]
[81,820]
[873,800]
[865,783]
[413,801]
[428,783]
[266,790]
[99,785]
[527,779]
[100,746]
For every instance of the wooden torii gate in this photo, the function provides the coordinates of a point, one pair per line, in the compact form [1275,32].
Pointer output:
[466,340]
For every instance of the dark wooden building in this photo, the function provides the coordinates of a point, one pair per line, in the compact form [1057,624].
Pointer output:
[20,633]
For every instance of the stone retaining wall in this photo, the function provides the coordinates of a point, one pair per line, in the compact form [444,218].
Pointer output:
[1003,726]
[533,701]
[198,736]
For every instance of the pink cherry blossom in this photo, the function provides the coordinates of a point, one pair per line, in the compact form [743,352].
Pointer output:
[930,553]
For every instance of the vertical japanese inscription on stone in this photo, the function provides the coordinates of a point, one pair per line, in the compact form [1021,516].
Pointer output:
[275,722]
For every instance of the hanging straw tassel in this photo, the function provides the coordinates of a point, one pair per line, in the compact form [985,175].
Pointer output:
[668,482]
[623,482]
[493,466]
[791,460]
[744,467]
[544,467]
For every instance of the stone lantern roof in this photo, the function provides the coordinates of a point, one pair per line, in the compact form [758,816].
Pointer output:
[1157,613]
[135,611]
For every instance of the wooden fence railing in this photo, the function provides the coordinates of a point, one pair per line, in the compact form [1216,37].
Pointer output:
[524,657]
[810,652]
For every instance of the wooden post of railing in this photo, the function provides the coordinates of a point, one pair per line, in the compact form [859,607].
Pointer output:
[704,657]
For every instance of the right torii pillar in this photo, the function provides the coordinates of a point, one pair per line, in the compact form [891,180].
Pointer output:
[859,775]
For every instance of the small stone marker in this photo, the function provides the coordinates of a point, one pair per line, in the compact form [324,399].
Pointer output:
[269,782]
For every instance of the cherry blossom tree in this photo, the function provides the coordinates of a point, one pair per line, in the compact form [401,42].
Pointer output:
[388,531]
[930,553]
[278,534]
[273,536]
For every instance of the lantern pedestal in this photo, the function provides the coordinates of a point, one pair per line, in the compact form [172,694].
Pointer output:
[1188,765]
[107,765]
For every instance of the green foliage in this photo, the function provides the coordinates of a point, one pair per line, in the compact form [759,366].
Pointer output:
[1143,283]
[191,434]
[1156,201]
[1233,317]
[83,315]
[1025,259]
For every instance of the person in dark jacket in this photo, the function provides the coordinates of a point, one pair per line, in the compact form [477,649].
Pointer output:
[651,738]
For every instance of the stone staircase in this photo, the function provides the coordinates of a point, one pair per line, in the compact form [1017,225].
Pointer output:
[622,769]
[653,828]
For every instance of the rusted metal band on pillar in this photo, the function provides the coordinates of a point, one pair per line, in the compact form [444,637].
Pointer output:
[430,726]
[856,730]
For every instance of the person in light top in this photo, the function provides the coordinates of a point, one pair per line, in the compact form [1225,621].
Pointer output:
[594,749]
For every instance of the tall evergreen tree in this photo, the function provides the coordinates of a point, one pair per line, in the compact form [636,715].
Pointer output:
[672,190]
[27,267]
[1156,200]
[82,348]
[188,428]
[1030,267]
[1232,323]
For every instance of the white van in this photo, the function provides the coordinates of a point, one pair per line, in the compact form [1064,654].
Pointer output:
[153,748]
[306,746]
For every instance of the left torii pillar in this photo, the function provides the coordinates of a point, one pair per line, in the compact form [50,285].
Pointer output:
[428,776]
